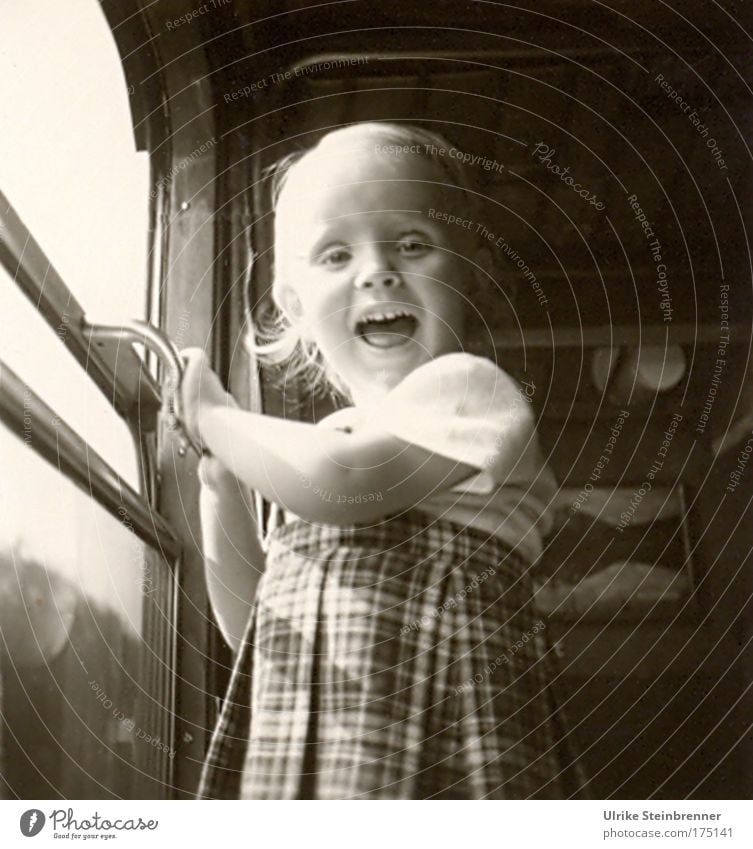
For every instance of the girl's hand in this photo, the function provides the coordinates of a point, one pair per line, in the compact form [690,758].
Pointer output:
[201,391]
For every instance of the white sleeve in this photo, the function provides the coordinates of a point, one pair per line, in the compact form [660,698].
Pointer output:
[466,408]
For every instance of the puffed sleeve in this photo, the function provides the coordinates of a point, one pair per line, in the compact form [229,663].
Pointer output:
[466,408]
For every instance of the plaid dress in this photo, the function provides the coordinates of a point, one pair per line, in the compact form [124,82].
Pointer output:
[399,661]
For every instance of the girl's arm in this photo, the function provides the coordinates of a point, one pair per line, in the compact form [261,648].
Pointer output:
[233,556]
[322,475]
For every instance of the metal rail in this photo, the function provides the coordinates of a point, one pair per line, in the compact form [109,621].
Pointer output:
[24,413]
[153,338]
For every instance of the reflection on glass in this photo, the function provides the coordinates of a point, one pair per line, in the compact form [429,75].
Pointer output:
[80,716]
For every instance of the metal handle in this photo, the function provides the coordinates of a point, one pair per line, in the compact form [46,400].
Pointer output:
[160,344]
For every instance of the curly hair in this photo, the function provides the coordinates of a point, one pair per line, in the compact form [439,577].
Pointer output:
[280,341]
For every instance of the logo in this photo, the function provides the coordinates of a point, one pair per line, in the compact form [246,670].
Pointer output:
[32,822]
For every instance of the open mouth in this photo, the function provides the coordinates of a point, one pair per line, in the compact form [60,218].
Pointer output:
[387,329]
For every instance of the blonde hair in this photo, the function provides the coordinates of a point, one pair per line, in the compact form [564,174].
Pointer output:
[280,341]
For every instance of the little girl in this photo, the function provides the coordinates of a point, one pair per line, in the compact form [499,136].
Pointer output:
[390,649]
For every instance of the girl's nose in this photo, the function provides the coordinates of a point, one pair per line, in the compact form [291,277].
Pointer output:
[376,279]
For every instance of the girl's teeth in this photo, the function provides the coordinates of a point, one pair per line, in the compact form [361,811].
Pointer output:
[385,316]
[387,329]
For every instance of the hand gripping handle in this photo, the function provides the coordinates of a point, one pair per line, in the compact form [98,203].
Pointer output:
[164,348]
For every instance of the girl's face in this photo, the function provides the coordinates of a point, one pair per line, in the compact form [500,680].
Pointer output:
[372,273]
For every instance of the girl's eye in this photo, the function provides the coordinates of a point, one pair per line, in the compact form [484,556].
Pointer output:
[412,247]
[334,257]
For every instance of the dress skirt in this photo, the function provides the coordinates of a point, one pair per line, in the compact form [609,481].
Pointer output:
[399,661]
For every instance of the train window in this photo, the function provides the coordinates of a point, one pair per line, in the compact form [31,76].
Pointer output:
[86,585]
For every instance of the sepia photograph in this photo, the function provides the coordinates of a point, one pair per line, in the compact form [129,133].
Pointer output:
[376,415]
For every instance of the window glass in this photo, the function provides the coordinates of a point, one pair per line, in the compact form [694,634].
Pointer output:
[75,588]
[84,605]
[69,167]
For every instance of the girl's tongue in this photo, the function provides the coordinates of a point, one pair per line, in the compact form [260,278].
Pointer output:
[387,332]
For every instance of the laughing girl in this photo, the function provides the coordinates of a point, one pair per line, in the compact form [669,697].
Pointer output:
[390,648]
